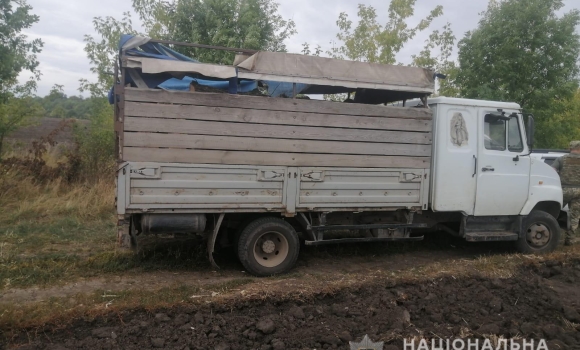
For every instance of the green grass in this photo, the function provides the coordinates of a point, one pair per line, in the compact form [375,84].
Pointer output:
[64,249]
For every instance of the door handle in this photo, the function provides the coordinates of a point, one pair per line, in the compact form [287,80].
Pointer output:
[475,167]
[487,168]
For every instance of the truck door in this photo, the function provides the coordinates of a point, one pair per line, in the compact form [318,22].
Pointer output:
[456,144]
[503,166]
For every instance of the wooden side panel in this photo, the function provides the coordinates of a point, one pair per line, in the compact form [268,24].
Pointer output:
[274,104]
[170,155]
[199,127]
[257,116]
[206,128]
[231,143]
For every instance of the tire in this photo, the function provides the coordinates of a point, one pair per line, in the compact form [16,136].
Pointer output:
[541,234]
[268,246]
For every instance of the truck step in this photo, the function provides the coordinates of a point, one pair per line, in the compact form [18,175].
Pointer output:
[360,240]
[491,236]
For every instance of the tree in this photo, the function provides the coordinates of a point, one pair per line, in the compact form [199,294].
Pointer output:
[16,113]
[17,54]
[103,53]
[249,24]
[370,41]
[561,125]
[306,50]
[442,42]
[58,105]
[523,52]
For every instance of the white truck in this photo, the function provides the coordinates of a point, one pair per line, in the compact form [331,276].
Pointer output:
[264,173]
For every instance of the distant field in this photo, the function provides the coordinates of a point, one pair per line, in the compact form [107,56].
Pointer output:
[44,126]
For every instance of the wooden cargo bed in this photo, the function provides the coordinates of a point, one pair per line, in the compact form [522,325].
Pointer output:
[212,128]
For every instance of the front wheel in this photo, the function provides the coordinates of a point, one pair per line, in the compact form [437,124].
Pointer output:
[268,246]
[541,234]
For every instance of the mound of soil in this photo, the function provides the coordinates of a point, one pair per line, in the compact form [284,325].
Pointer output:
[542,301]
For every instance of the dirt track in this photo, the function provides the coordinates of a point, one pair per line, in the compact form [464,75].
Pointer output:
[540,301]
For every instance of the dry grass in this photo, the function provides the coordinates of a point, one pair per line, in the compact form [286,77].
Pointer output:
[53,232]
[24,199]
[45,228]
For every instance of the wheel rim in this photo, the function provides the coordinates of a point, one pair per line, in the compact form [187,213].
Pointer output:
[538,235]
[271,249]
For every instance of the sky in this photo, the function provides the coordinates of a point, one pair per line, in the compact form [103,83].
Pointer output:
[64,23]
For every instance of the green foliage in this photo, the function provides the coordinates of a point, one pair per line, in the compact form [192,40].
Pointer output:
[103,53]
[370,41]
[562,125]
[96,144]
[17,54]
[16,113]
[443,43]
[523,52]
[306,50]
[250,24]
[58,105]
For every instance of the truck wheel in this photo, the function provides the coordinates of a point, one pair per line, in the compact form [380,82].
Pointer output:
[541,234]
[268,246]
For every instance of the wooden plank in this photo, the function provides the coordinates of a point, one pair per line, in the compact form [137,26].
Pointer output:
[157,140]
[273,103]
[171,155]
[199,127]
[240,115]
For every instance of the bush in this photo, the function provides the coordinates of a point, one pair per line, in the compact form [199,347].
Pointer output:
[95,145]
[90,159]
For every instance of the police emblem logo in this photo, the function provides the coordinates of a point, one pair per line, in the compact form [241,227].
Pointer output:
[366,344]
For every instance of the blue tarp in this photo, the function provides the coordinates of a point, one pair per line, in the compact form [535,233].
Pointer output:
[153,50]
[183,84]
[167,82]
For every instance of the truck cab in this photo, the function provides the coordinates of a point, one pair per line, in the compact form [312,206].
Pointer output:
[482,168]
[480,154]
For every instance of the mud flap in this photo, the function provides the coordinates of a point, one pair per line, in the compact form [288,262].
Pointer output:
[211,241]
[125,238]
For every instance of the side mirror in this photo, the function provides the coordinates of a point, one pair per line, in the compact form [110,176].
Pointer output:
[530,132]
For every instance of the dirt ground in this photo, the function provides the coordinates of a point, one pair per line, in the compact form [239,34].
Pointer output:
[232,270]
[540,300]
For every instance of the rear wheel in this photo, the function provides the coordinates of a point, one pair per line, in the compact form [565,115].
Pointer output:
[268,246]
[541,234]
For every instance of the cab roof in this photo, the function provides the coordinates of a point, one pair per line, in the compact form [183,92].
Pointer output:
[465,102]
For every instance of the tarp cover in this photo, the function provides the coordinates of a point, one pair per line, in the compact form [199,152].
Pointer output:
[157,62]
[155,66]
[334,72]
[282,73]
